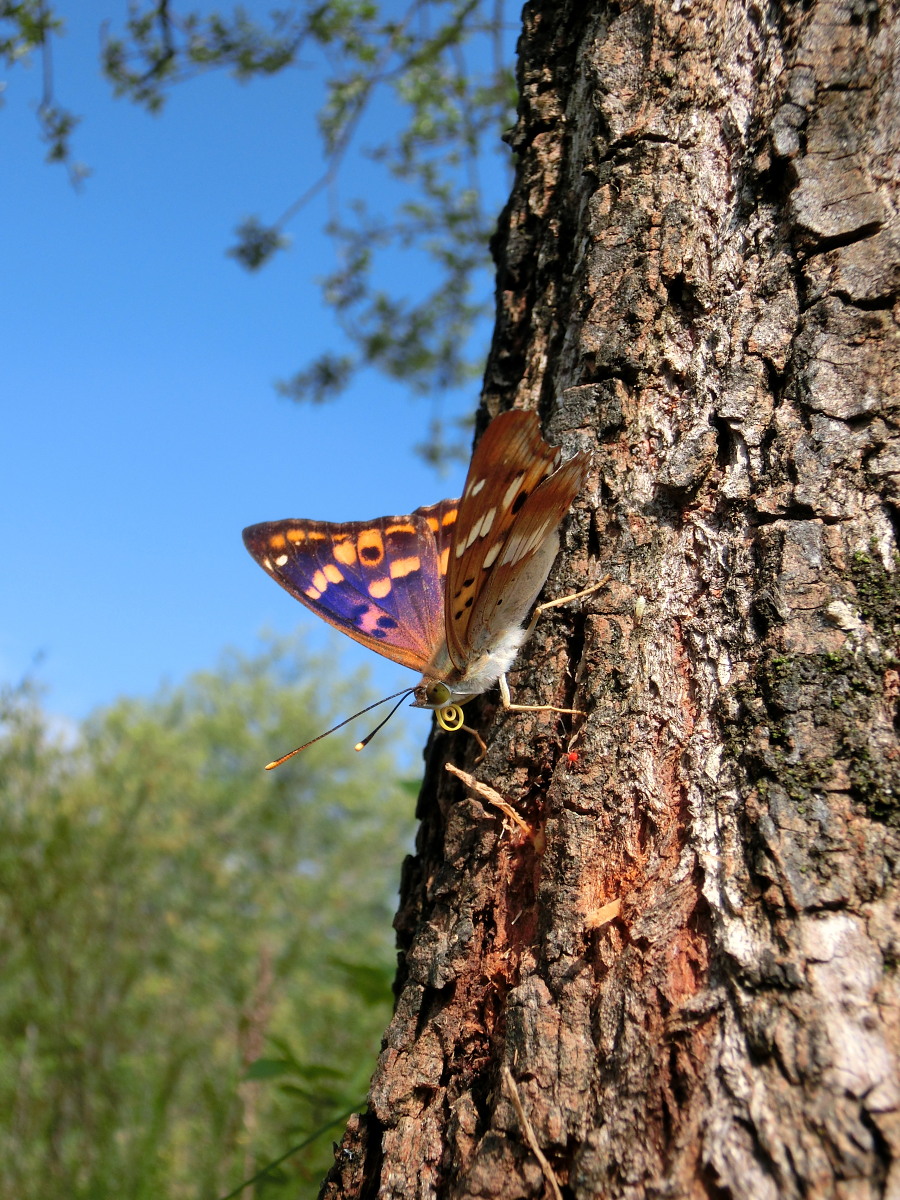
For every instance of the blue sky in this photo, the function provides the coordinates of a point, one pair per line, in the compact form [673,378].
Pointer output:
[141,429]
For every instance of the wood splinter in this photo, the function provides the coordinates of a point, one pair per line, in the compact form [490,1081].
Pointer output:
[513,1093]
[483,792]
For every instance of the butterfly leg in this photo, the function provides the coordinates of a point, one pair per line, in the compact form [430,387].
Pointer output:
[479,739]
[595,587]
[506,701]
[505,698]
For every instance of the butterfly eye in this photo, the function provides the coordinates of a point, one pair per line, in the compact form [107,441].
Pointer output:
[437,694]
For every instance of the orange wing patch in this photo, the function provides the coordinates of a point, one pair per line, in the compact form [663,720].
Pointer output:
[370,547]
[402,567]
[344,551]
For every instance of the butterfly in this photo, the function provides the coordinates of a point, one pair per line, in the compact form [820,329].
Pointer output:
[446,590]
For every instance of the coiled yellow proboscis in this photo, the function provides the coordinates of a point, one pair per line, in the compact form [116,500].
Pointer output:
[450,718]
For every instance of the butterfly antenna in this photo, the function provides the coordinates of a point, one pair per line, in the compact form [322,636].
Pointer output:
[406,692]
[381,724]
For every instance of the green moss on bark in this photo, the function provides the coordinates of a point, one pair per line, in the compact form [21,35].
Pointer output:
[807,721]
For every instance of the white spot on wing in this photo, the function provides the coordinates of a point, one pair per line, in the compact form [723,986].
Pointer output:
[492,554]
[281,560]
[511,492]
[463,546]
[519,547]
[486,522]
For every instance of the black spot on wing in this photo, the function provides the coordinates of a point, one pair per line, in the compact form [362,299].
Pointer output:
[519,501]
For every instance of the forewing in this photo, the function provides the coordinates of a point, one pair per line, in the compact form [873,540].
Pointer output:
[510,464]
[377,581]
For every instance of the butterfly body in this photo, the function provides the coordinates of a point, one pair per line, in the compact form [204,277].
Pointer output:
[446,590]
[436,690]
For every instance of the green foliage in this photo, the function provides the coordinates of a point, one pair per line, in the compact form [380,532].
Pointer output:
[196,954]
[436,75]
[450,92]
[256,243]
[28,26]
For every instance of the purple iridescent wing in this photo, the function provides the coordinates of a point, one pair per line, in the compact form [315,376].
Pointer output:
[380,582]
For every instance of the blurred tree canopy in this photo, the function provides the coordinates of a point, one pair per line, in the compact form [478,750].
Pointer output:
[197,956]
[439,73]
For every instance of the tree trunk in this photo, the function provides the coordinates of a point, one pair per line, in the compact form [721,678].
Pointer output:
[689,960]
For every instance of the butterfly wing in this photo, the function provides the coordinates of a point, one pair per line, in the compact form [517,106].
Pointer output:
[441,520]
[523,564]
[377,581]
[506,535]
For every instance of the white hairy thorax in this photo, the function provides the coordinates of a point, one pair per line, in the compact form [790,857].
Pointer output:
[484,671]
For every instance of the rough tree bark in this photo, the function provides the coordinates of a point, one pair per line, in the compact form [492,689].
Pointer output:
[689,962]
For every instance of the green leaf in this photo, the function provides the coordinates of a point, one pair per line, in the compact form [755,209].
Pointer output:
[266,1068]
